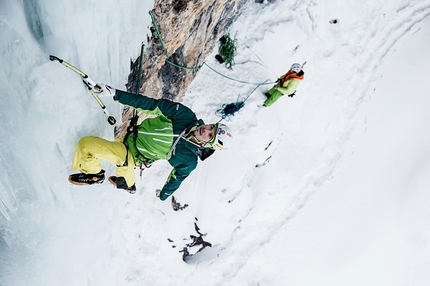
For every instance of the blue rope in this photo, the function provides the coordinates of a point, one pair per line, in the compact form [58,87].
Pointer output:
[227,111]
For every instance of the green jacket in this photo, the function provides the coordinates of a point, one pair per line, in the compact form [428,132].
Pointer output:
[156,136]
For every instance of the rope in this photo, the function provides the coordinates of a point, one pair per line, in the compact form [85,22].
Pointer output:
[227,110]
[249,48]
[139,73]
[241,81]
[191,68]
[164,48]
[140,68]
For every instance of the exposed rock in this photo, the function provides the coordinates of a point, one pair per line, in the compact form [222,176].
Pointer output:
[189,30]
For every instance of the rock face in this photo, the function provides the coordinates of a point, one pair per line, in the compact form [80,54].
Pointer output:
[189,30]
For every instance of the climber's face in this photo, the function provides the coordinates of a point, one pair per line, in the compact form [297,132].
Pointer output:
[205,133]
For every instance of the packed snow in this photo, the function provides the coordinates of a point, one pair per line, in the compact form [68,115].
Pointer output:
[329,187]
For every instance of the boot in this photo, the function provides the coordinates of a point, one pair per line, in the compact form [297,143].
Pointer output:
[82,179]
[122,184]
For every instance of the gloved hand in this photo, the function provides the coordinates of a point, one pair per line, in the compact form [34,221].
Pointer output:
[291,95]
[104,90]
[157,193]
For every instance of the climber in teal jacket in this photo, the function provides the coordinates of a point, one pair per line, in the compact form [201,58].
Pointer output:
[174,134]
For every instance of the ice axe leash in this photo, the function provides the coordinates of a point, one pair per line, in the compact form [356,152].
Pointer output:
[89,83]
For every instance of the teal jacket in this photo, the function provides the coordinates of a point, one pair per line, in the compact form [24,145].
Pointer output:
[156,136]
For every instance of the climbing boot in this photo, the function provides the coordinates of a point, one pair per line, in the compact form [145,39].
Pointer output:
[82,179]
[120,183]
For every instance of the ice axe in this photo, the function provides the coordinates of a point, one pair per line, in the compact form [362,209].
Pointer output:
[89,83]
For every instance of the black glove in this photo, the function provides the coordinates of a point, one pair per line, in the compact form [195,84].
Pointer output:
[291,95]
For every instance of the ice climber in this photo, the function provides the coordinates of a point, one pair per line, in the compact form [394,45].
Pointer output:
[175,134]
[286,85]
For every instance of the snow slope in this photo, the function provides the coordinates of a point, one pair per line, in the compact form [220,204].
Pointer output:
[327,188]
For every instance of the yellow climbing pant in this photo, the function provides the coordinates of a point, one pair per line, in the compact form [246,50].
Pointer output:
[91,149]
